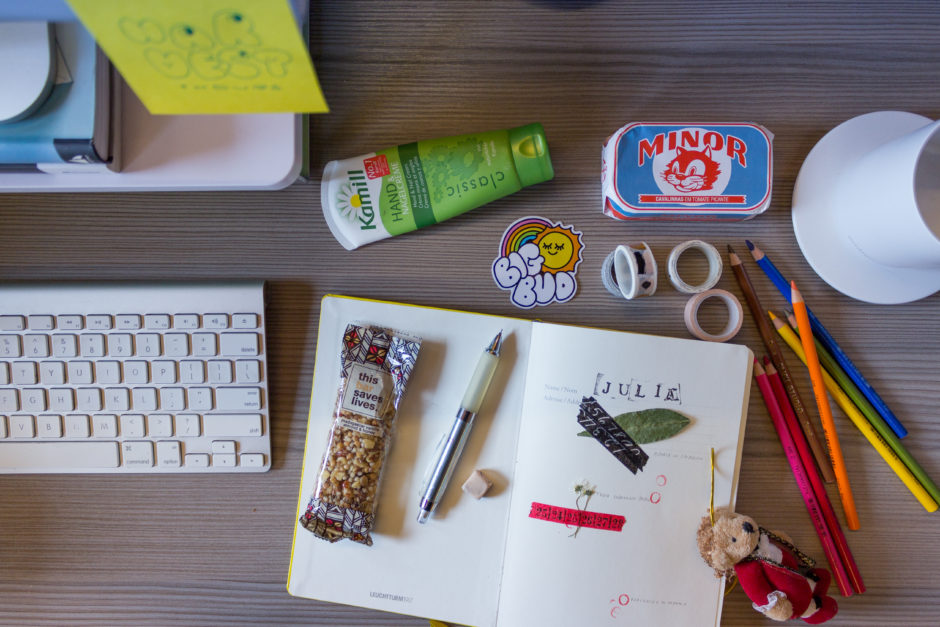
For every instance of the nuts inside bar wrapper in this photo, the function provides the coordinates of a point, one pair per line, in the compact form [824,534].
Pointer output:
[375,366]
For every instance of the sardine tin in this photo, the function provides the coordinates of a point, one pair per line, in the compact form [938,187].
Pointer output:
[676,171]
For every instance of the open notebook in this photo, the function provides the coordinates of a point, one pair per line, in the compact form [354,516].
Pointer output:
[510,558]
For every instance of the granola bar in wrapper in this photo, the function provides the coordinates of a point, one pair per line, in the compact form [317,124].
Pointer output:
[375,366]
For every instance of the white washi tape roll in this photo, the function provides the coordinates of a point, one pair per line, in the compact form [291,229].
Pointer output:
[714,266]
[735,315]
[630,271]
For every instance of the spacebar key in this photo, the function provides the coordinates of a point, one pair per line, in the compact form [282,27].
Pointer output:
[43,456]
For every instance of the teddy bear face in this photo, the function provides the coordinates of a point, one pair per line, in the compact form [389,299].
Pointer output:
[732,538]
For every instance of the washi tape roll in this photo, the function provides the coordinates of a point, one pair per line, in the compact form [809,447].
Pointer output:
[630,271]
[714,266]
[735,315]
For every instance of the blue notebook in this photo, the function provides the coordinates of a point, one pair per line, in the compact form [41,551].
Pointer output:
[73,126]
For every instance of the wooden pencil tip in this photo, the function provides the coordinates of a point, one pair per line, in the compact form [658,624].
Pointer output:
[733,256]
[749,244]
[795,296]
[758,369]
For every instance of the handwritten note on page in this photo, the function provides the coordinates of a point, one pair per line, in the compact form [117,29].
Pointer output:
[207,56]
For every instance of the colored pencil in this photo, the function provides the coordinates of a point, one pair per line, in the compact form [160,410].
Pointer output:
[770,342]
[874,419]
[829,513]
[829,342]
[825,411]
[800,474]
[884,449]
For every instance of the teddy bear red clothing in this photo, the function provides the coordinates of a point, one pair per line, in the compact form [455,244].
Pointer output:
[773,570]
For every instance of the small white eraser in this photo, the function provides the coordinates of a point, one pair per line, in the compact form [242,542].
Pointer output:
[477,484]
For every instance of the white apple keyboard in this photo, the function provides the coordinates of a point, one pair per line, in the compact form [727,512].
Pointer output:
[133,378]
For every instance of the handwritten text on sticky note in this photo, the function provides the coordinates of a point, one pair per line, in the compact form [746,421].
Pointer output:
[207,56]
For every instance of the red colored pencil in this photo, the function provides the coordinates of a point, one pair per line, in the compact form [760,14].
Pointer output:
[829,514]
[802,476]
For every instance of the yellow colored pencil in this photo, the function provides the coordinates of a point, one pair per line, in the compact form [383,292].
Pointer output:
[852,412]
[825,412]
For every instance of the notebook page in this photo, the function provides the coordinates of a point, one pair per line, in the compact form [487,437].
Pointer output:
[448,568]
[648,572]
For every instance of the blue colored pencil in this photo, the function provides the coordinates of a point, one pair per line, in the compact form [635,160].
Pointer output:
[829,342]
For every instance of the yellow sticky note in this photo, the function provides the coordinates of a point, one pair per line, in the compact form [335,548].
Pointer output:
[207,56]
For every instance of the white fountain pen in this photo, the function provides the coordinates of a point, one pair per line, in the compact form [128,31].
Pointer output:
[440,473]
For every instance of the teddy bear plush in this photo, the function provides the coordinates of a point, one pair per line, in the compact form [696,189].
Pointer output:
[779,578]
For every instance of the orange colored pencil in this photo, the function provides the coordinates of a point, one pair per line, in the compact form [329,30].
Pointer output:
[825,411]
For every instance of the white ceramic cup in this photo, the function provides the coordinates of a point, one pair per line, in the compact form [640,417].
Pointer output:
[891,201]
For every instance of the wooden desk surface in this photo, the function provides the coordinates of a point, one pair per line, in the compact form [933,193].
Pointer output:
[213,550]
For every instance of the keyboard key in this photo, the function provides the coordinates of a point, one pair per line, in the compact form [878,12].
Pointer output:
[44,455]
[168,454]
[71,322]
[49,425]
[232,425]
[22,426]
[115,399]
[200,399]
[238,398]
[80,372]
[127,321]
[251,460]
[120,345]
[223,446]
[192,372]
[248,371]
[144,399]
[204,345]
[3,426]
[36,345]
[41,323]
[164,371]
[34,399]
[186,321]
[220,371]
[187,426]
[136,372]
[108,372]
[64,345]
[197,460]
[4,373]
[157,321]
[92,345]
[76,426]
[10,346]
[148,345]
[89,399]
[245,321]
[12,323]
[52,372]
[104,426]
[244,344]
[176,345]
[160,425]
[24,373]
[61,399]
[99,322]
[226,460]
[137,454]
[215,321]
[9,400]
[171,399]
[132,426]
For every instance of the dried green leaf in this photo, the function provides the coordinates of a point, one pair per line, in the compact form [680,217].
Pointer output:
[649,425]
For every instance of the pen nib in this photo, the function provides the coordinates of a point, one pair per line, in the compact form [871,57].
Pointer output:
[495,344]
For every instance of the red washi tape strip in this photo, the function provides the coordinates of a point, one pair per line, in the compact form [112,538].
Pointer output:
[577,517]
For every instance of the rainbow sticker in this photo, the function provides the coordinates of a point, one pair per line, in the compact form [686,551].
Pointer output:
[537,262]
